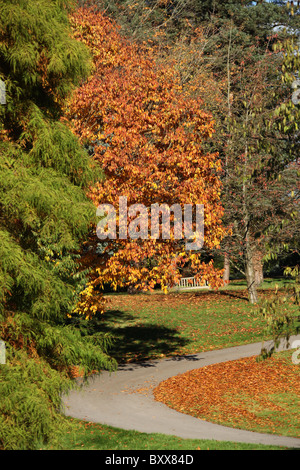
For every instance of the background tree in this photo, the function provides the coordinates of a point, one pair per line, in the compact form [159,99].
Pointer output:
[245,113]
[216,62]
[281,322]
[255,195]
[167,20]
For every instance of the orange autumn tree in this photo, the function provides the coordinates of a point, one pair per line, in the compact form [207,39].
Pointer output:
[147,134]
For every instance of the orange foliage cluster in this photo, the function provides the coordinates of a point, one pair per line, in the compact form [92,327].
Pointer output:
[90,302]
[147,134]
[226,392]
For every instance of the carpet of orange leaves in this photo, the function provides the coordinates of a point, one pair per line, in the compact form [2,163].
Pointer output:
[238,393]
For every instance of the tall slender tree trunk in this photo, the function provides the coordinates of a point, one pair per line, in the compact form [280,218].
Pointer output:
[250,272]
[229,143]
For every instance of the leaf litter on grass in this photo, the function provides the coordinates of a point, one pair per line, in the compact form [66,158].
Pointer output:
[259,396]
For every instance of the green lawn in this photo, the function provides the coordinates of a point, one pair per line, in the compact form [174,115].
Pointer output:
[260,396]
[148,326]
[91,436]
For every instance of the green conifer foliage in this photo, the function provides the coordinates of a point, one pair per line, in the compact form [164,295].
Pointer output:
[44,217]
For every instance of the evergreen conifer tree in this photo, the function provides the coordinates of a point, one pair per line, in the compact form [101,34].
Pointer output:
[44,216]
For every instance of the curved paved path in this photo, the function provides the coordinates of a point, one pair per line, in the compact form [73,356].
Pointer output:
[124,399]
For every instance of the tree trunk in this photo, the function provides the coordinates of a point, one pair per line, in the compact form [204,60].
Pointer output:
[226,268]
[250,275]
[250,272]
[226,273]
[258,268]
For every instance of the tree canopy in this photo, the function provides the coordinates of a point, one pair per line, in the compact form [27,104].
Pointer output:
[147,135]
